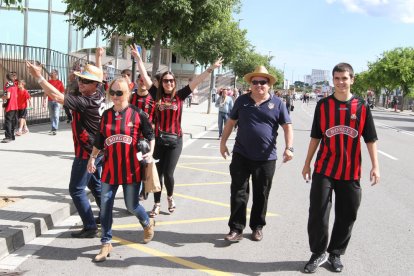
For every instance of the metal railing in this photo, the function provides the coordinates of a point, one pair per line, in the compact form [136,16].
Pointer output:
[13,58]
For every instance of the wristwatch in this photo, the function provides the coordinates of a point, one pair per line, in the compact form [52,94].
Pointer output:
[291,149]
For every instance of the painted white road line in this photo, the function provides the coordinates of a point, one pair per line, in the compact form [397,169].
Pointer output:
[387,155]
[396,129]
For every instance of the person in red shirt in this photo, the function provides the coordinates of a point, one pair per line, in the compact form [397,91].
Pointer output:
[168,142]
[118,137]
[339,122]
[23,98]
[53,106]
[10,108]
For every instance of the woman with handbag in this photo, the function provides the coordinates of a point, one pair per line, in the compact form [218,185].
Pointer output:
[168,132]
[118,137]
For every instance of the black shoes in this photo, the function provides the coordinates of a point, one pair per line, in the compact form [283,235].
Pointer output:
[335,262]
[85,234]
[234,236]
[315,261]
[257,235]
[6,140]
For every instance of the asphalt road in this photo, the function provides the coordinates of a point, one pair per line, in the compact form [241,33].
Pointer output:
[190,241]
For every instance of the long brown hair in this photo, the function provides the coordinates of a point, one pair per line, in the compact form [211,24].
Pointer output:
[161,91]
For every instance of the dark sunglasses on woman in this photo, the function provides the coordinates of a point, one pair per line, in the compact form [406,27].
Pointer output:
[119,93]
[168,80]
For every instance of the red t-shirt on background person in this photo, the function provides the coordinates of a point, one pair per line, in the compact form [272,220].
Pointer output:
[11,103]
[22,97]
[58,85]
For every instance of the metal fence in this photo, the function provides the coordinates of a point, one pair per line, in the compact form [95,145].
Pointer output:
[13,58]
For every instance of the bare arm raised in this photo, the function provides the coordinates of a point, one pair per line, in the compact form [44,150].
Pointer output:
[49,89]
[197,80]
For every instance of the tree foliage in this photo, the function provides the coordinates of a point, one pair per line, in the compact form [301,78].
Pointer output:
[151,23]
[247,60]
[224,39]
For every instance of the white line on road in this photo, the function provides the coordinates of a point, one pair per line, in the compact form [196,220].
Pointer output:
[387,155]
[396,129]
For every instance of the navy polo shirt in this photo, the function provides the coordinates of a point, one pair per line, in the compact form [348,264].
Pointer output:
[257,126]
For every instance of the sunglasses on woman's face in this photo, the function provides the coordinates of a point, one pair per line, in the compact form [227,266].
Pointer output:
[168,80]
[119,93]
[85,81]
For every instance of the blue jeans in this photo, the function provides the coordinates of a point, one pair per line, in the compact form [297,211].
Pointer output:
[79,180]
[131,199]
[54,109]
[222,119]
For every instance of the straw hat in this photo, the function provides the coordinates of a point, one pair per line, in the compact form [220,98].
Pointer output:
[260,71]
[91,72]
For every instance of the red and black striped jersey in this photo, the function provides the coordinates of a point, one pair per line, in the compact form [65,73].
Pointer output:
[87,112]
[118,137]
[169,112]
[340,126]
[146,103]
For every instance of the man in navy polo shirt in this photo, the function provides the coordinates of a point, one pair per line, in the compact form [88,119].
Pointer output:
[258,115]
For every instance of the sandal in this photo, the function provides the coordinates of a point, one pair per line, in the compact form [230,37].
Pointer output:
[155,210]
[171,204]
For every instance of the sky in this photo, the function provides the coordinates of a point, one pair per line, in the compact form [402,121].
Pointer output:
[302,35]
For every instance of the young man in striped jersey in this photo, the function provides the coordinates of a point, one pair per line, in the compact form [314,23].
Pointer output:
[338,124]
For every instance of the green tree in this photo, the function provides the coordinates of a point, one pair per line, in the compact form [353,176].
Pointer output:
[247,60]
[394,69]
[151,23]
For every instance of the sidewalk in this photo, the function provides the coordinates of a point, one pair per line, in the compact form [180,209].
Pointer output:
[35,172]
[391,110]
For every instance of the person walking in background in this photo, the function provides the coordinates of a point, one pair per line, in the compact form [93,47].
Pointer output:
[23,100]
[338,124]
[225,105]
[213,94]
[168,132]
[87,110]
[53,106]
[258,115]
[10,106]
[119,134]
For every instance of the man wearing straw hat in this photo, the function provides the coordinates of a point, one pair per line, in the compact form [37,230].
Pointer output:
[258,115]
[87,110]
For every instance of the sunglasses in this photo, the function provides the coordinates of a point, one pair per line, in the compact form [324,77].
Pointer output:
[85,81]
[119,93]
[168,80]
[261,82]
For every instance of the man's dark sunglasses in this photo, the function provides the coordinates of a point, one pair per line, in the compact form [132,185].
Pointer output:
[119,93]
[85,81]
[262,82]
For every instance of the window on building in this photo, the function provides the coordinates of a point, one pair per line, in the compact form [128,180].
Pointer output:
[12,27]
[41,5]
[59,33]
[37,29]
[58,5]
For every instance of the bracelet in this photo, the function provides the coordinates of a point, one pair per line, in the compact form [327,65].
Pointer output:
[94,156]
[40,79]
[209,70]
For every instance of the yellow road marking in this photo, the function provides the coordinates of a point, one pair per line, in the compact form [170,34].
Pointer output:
[205,163]
[201,184]
[202,170]
[169,257]
[160,223]
[202,157]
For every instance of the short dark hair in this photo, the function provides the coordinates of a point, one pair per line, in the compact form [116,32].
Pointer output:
[343,67]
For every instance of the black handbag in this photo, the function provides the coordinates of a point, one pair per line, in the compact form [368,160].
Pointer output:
[292,107]
[167,139]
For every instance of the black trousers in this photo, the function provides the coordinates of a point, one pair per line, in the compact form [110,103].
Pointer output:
[166,166]
[262,173]
[347,201]
[10,121]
